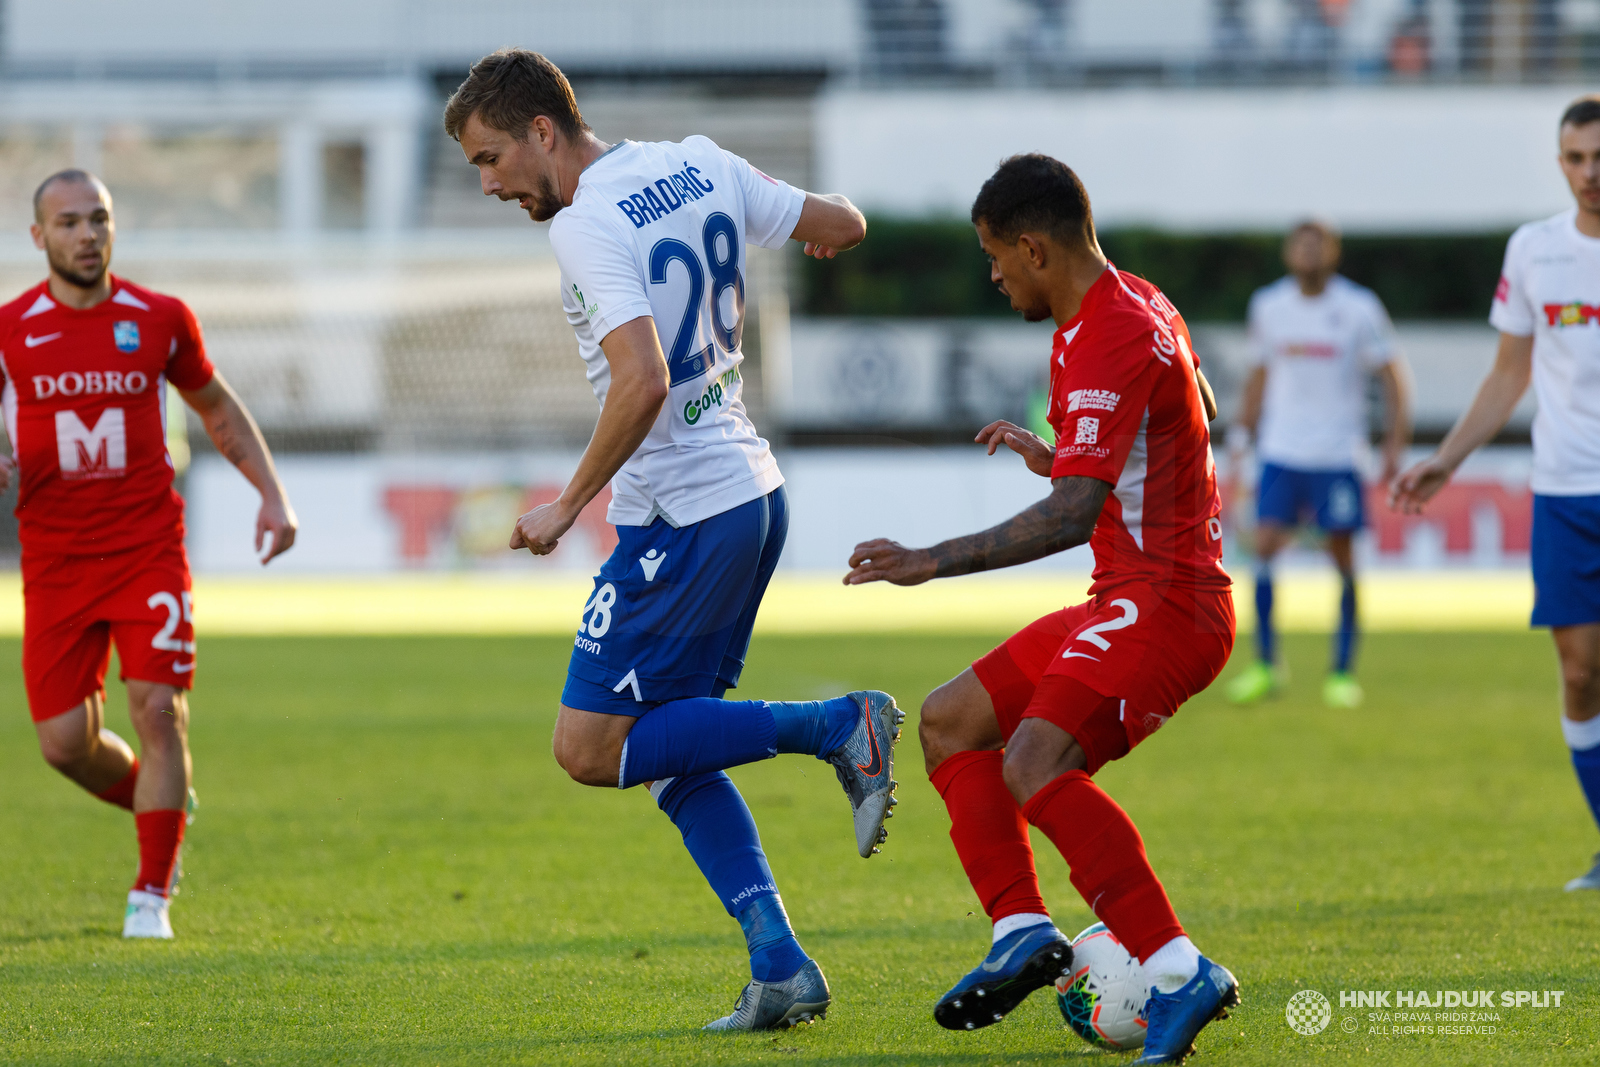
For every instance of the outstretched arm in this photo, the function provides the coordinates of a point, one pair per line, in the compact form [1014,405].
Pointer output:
[1491,409]
[1395,378]
[829,224]
[1060,521]
[236,436]
[639,386]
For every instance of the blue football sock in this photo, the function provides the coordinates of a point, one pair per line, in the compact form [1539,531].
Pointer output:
[1344,643]
[1265,639]
[1583,738]
[774,953]
[697,735]
[814,727]
[720,834]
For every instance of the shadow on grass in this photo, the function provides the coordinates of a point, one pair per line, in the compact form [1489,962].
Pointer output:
[83,933]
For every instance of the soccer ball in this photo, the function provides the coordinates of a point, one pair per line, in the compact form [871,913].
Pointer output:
[1103,998]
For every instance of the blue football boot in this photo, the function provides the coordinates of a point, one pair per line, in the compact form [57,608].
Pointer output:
[1022,961]
[1176,1019]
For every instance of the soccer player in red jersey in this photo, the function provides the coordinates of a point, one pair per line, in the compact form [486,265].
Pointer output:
[85,358]
[1017,737]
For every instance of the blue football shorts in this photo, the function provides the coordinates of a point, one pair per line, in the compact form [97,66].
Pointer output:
[672,609]
[1566,560]
[1331,499]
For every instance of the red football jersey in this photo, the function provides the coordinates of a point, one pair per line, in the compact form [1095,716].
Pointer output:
[85,398]
[1127,410]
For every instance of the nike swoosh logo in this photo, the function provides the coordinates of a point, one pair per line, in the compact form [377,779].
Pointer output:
[875,767]
[1001,962]
[1080,655]
[34,342]
[183,668]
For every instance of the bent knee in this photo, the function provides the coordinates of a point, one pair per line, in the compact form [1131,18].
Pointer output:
[587,767]
[1025,774]
[942,715]
[1029,768]
[1581,677]
[157,709]
[64,753]
[934,722]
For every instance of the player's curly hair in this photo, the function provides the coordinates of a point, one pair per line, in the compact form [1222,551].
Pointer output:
[510,88]
[1039,193]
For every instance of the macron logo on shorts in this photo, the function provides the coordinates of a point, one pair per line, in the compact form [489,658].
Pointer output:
[1093,400]
[650,562]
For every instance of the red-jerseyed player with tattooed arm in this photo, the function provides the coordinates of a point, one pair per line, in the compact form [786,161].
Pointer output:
[86,358]
[1016,737]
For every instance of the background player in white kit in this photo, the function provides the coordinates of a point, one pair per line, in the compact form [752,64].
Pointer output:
[1315,336]
[651,240]
[1547,309]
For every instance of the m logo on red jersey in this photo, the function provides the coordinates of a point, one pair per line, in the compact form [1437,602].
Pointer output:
[98,453]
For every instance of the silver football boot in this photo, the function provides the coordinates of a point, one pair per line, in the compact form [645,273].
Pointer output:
[865,766]
[779,1005]
[1587,881]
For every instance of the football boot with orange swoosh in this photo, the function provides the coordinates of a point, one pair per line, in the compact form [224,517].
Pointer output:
[865,766]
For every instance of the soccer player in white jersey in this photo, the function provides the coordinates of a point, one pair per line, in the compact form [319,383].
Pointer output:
[1547,309]
[650,238]
[1315,337]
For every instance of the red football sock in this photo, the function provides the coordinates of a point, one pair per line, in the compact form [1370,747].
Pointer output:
[989,833]
[1106,857]
[160,834]
[121,794]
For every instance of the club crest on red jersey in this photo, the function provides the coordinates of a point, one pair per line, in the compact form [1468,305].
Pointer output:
[126,335]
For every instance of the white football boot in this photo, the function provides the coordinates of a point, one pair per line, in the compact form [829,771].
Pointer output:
[1591,880]
[147,915]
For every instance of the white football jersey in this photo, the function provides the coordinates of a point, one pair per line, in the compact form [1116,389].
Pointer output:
[659,229]
[1550,290]
[1318,351]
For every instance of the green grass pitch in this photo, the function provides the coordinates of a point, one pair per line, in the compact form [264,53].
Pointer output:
[388,868]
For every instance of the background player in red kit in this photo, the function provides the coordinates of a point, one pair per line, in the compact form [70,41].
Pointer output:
[86,358]
[1016,737]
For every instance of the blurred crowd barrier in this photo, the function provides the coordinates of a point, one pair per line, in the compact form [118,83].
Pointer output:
[400,512]
[941,378]
[451,342]
[969,41]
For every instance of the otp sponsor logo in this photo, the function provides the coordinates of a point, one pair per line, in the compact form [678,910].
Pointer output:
[1574,314]
[1093,400]
[89,383]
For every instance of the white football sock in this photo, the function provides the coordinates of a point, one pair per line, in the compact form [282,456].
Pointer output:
[1011,923]
[1173,965]
[1581,735]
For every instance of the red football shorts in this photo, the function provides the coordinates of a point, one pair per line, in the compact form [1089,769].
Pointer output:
[75,606]
[1111,671]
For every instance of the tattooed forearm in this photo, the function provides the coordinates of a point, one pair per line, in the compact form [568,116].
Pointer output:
[1060,521]
[231,433]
